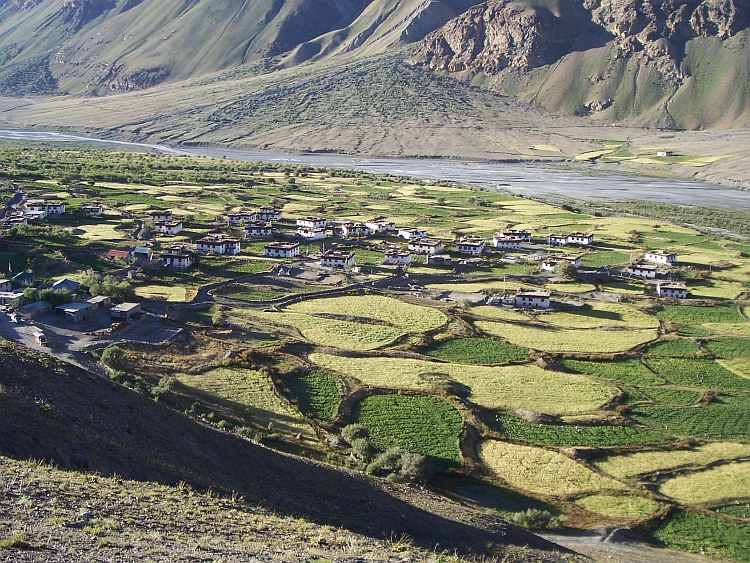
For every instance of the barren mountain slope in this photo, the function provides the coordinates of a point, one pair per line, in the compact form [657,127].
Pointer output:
[53,411]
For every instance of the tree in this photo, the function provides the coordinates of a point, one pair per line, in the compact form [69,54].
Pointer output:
[353,431]
[114,358]
[565,270]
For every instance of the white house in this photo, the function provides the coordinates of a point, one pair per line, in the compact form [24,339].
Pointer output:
[676,290]
[233,245]
[582,239]
[159,216]
[173,228]
[281,250]
[337,259]
[268,214]
[535,299]
[507,243]
[524,235]
[257,229]
[639,270]
[425,246]
[663,153]
[92,210]
[661,257]
[549,264]
[177,256]
[538,257]
[397,257]
[411,233]
[311,223]
[557,240]
[310,233]
[211,243]
[473,246]
[377,227]
[243,217]
[48,207]
[5,285]
[349,230]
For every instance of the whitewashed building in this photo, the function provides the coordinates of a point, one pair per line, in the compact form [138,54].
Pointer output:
[311,222]
[281,250]
[309,233]
[426,246]
[176,256]
[557,240]
[378,227]
[551,261]
[161,216]
[5,285]
[522,234]
[532,299]
[411,233]
[234,246]
[640,270]
[354,230]
[268,214]
[92,210]
[661,257]
[581,239]
[473,246]
[676,290]
[211,243]
[173,228]
[337,259]
[397,257]
[257,229]
[507,243]
[241,218]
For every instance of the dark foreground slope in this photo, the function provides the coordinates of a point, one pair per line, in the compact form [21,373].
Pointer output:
[53,411]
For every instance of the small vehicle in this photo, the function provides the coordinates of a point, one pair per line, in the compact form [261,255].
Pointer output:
[40,338]
[14,317]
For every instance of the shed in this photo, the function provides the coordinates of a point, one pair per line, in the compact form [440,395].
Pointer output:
[125,311]
[34,310]
[99,301]
[24,278]
[65,284]
[76,312]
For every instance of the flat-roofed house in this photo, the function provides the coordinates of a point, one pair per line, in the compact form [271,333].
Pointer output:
[268,214]
[425,246]
[474,246]
[533,299]
[354,230]
[158,216]
[211,243]
[551,261]
[337,259]
[309,233]
[242,218]
[258,229]
[76,312]
[581,239]
[177,256]
[507,243]
[557,240]
[377,227]
[661,257]
[281,250]
[233,245]
[92,209]
[522,234]
[125,311]
[412,233]
[312,222]
[641,270]
[166,228]
[676,290]
[99,301]
[397,257]
[5,285]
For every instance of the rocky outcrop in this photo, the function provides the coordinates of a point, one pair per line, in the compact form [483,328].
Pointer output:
[500,34]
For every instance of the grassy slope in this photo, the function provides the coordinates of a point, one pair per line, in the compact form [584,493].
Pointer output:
[54,411]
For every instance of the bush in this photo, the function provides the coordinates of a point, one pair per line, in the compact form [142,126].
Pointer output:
[114,357]
[109,286]
[352,432]
[534,519]
[399,463]
[363,448]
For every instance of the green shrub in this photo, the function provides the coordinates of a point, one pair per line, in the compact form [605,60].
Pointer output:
[17,541]
[114,357]
[534,519]
[353,432]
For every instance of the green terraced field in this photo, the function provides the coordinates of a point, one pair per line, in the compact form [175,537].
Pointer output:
[477,351]
[317,392]
[417,423]
[626,371]
[691,314]
[673,348]
[698,533]
[704,374]
[569,435]
[729,348]
[671,396]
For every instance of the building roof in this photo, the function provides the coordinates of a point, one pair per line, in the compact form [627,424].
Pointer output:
[118,253]
[98,299]
[544,293]
[34,307]
[73,307]
[282,245]
[125,307]
[142,250]
[65,283]
[661,253]
[23,277]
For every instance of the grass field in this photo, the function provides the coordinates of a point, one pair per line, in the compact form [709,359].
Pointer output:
[698,533]
[317,392]
[571,287]
[417,423]
[477,351]
[692,314]
[740,366]
[475,287]
[170,293]
[541,471]
[625,507]
[640,463]
[626,371]
[604,258]
[729,348]
[723,482]
[737,329]
[671,396]
[735,510]
[561,340]
[522,386]
[716,289]
[679,347]
[701,373]
[693,331]
[499,313]
[410,318]
[250,393]
[597,314]
[568,435]
[626,288]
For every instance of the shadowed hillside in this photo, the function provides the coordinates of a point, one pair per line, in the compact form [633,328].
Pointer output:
[79,421]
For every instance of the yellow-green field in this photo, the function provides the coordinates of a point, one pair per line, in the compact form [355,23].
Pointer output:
[624,507]
[171,293]
[475,287]
[723,482]
[524,386]
[252,390]
[571,287]
[498,313]
[541,471]
[631,465]
[740,366]
[411,318]
[562,340]
[596,314]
